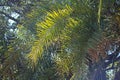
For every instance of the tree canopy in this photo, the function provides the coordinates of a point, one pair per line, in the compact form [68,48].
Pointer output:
[59,39]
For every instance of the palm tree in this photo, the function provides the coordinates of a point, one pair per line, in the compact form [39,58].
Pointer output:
[63,42]
[74,28]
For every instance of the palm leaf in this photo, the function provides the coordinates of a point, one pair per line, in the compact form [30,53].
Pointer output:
[54,27]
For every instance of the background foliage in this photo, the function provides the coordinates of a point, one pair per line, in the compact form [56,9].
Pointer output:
[59,39]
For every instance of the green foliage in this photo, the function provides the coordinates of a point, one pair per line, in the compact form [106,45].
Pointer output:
[53,37]
[52,29]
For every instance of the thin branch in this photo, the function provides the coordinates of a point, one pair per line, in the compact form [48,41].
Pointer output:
[99,11]
[4,5]
[7,15]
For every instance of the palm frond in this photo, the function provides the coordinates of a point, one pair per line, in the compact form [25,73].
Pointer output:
[55,26]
